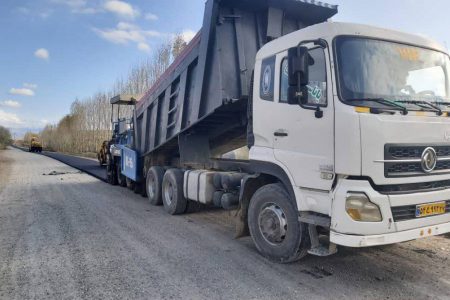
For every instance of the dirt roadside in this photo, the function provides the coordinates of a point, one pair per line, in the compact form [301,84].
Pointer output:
[5,168]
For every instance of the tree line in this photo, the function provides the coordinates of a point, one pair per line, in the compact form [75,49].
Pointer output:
[5,137]
[89,122]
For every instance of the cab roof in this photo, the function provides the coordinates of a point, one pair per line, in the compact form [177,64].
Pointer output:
[329,30]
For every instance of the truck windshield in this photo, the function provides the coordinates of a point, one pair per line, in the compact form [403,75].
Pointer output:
[399,73]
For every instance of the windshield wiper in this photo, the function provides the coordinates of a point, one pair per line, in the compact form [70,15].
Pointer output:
[383,101]
[423,105]
[441,103]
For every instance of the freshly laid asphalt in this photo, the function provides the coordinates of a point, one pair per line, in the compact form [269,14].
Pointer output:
[87,165]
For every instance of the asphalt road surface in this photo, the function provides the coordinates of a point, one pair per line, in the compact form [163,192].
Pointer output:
[87,165]
[71,236]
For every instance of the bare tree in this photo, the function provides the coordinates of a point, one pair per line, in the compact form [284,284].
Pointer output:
[5,137]
[88,124]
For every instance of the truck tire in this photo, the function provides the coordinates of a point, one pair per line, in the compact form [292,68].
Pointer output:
[274,226]
[121,180]
[172,192]
[153,185]
[111,171]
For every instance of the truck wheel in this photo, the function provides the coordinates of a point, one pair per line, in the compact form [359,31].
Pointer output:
[172,192]
[111,171]
[121,180]
[274,226]
[153,185]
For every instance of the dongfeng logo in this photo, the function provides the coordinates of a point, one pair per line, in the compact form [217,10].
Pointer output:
[429,160]
[267,80]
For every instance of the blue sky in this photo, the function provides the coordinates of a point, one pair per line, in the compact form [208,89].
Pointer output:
[53,51]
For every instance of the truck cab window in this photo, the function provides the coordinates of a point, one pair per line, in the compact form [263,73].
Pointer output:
[317,87]
[284,81]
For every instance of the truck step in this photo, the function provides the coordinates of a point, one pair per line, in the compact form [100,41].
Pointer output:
[323,250]
[320,246]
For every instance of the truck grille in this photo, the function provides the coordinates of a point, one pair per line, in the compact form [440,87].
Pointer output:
[416,151]
[408,212]
[405,160]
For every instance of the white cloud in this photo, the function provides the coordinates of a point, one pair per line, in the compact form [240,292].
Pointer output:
[78,6]
[32,86]
[9,119]
[45,14]
[41,12]
[23,10]
[72,3]
[144,47]
[120,36]
[127,26]
[151,17]
[10,103]
[86,10]
[42,54]
[21,91]
[188,35]
[126,33]
[121,9]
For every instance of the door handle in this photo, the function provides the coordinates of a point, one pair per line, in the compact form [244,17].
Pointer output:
[280,134]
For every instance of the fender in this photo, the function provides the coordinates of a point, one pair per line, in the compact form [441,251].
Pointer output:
[268,168]
[263,173]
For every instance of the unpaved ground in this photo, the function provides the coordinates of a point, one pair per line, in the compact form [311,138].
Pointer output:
[71,236]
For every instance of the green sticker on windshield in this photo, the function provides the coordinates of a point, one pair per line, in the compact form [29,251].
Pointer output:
[315,92]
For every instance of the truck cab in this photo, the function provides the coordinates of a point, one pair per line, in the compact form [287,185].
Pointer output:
[357,118]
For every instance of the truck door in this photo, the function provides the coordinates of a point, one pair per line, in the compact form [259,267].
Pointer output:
[303,143]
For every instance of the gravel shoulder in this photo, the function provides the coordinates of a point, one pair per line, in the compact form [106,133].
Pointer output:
[5,167]
[72,236]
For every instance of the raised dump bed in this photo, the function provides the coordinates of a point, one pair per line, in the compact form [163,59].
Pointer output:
[198,107]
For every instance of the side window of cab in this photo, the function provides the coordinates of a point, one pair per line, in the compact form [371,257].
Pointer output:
[317,87]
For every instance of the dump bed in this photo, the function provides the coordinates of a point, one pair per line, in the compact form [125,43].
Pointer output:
[204,93]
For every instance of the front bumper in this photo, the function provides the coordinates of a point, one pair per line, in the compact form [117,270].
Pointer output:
[347,232]
[349,240]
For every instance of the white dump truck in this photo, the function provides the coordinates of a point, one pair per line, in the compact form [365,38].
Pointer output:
[344,129]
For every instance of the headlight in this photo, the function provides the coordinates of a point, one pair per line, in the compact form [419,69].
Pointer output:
[359,208]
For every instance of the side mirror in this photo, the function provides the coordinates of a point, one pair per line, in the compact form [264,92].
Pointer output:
[298,70]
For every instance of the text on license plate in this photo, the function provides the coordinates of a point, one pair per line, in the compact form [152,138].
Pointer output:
[433,209]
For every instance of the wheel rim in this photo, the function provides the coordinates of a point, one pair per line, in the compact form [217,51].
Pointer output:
[272,224]
[151,187]
[168,193]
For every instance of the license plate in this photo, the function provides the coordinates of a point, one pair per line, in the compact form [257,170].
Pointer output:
[426,210]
